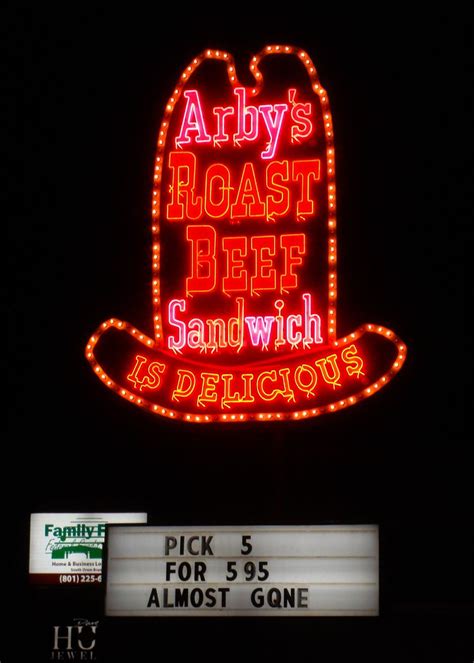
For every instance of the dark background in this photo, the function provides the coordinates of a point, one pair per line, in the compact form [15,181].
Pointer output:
[88,91]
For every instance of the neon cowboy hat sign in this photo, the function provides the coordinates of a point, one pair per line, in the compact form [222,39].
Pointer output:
[244,257]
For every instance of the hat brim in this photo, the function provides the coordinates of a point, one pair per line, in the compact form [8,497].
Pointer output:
[298,385]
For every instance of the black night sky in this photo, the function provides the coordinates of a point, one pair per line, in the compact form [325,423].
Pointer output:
[88,89]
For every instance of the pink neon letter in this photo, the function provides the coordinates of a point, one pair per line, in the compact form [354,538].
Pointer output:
[193,120]
[273,126]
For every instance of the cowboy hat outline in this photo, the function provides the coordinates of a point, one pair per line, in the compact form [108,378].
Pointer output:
[374,342]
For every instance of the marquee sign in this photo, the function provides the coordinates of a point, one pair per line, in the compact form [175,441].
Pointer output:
[257,571]
[244,257]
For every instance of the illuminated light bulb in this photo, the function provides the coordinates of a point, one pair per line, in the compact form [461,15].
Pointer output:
[368,391]
[171,414]
[169,107]
[278,415]
[131,397]
[302,55]
[97,370]
[183,75]
[188,417]
[401,348]
[224,416]
[208,53]
[226,55]
[269,48]
[198,418]
[353,335]
[287,48]
[155,407]
[206,418]
[241,417]
[332,407]
[104,325]
[352,399]
[89,355]
[232,416]
[305,414]
[232,78]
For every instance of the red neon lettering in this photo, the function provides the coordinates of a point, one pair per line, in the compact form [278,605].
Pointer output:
[176,344]
[305,171]
[193,121]
[300,114]
[221,113]
[293,337]
[310,385]
[286,392]
[208,389]
[196,334]
[260,329]
[185,386]
[265,274]
[294,247]
[203,259]
[245,396]
[312,323]
[248,201]
[277,206]
[150,379]
[245,114]
[235,279]
[217,191]
[330,379]
[183,184]
[354,362]
[273,118]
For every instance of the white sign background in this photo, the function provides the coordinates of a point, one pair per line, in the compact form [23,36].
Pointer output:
[293,571]
[77,529]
